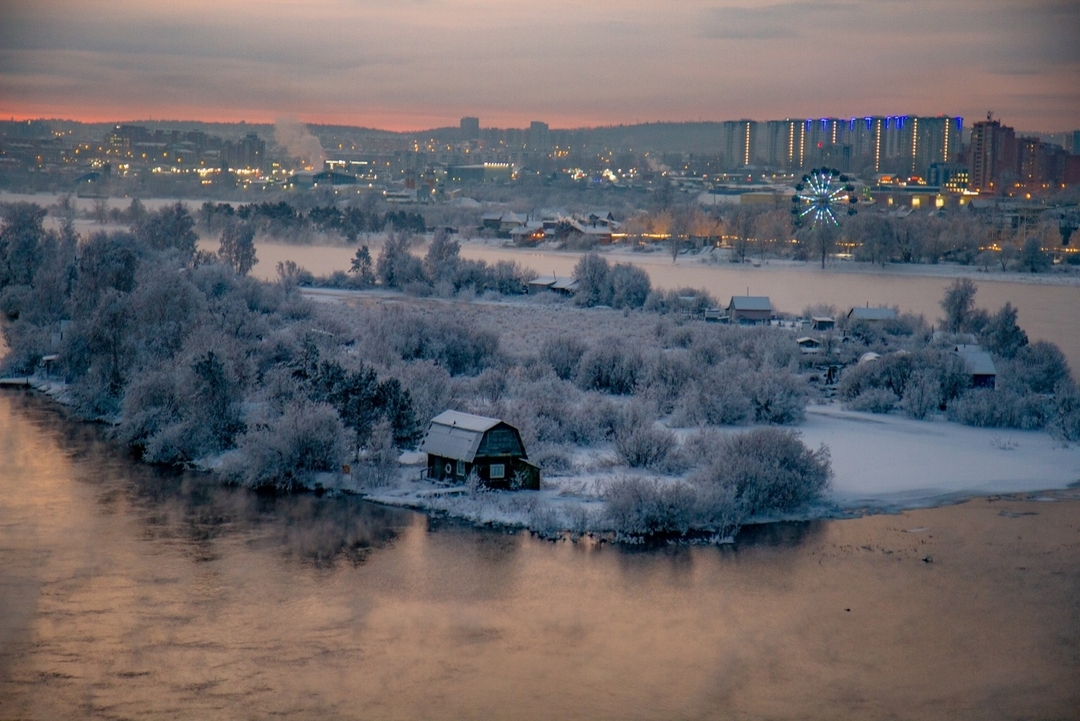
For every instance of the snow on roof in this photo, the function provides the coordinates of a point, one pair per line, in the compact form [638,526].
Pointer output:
[467,421]
[978,362]
[872,314]
[750,302]
[456,435]
[543,281]
[564,283]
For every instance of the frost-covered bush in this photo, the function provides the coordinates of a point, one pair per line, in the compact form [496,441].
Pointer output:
[717,399]
[1065,413]
[767,470]
[647,507]
[874,400]
[308,438]
[643,445]
[563,353]
[923,395]
[776,396]
[610,366]
[989,408]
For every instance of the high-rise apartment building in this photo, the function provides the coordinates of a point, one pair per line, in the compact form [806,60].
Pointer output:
[470,129]
[539,137]
[991,154]
[738,142]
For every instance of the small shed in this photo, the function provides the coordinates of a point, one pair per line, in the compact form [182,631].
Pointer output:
[458,444]
[750,309]
[872,315]
[822,322]
[563,285]
[808,345]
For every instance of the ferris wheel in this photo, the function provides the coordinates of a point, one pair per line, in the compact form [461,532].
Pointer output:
[822,198]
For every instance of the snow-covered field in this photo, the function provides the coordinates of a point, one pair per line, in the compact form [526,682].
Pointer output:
[890,462]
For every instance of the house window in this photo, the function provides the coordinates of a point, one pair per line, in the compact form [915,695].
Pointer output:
[498,470]
[461,468]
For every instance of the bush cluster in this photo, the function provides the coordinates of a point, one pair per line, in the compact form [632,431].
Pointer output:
[758,473]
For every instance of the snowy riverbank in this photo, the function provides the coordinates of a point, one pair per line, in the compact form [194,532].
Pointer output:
[881,464]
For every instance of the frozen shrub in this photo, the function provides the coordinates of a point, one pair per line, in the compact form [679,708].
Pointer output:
[666,374]
[308,438]
[923,395]
[563,354]
[551,458]
[1065,413]
[595,419]
[609,366]
[875,400]
[1000,409]
[643,445]
[630,286]
[768,470]
[646,507]
[776,396]
[381,460]
[1041,366]
[717,399]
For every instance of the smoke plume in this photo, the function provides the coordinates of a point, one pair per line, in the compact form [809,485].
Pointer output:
[295,137]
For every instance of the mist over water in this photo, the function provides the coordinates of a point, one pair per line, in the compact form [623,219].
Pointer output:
[130,592]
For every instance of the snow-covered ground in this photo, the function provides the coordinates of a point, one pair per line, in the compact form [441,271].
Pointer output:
[890,462]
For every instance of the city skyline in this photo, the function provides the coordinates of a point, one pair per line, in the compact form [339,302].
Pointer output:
[427,63]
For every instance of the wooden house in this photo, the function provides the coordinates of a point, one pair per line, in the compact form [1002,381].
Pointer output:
[458,444]
[750,309]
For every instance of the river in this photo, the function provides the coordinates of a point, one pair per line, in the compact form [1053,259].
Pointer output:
[128,592]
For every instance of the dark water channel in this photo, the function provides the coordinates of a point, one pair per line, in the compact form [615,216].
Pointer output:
[126,592]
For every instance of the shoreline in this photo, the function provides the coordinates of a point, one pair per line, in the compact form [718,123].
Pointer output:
[574,498]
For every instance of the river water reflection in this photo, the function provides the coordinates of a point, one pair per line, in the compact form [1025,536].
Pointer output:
[130,593]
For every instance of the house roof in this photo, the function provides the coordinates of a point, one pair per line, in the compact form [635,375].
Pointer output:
[978,362]
[872,314]
[456,435]
[565,283]
[750,302]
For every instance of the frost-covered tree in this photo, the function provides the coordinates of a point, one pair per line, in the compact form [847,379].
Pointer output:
[362,266]
[170,227]
[958,304]
[238,246]
[1002,335]
[397,267]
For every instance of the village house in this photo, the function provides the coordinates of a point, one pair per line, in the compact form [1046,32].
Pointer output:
[808,345]
[750,309]
[979,364]
[561,284]
[458,444]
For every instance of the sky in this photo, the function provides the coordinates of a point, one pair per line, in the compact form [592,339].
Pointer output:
[416,64]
